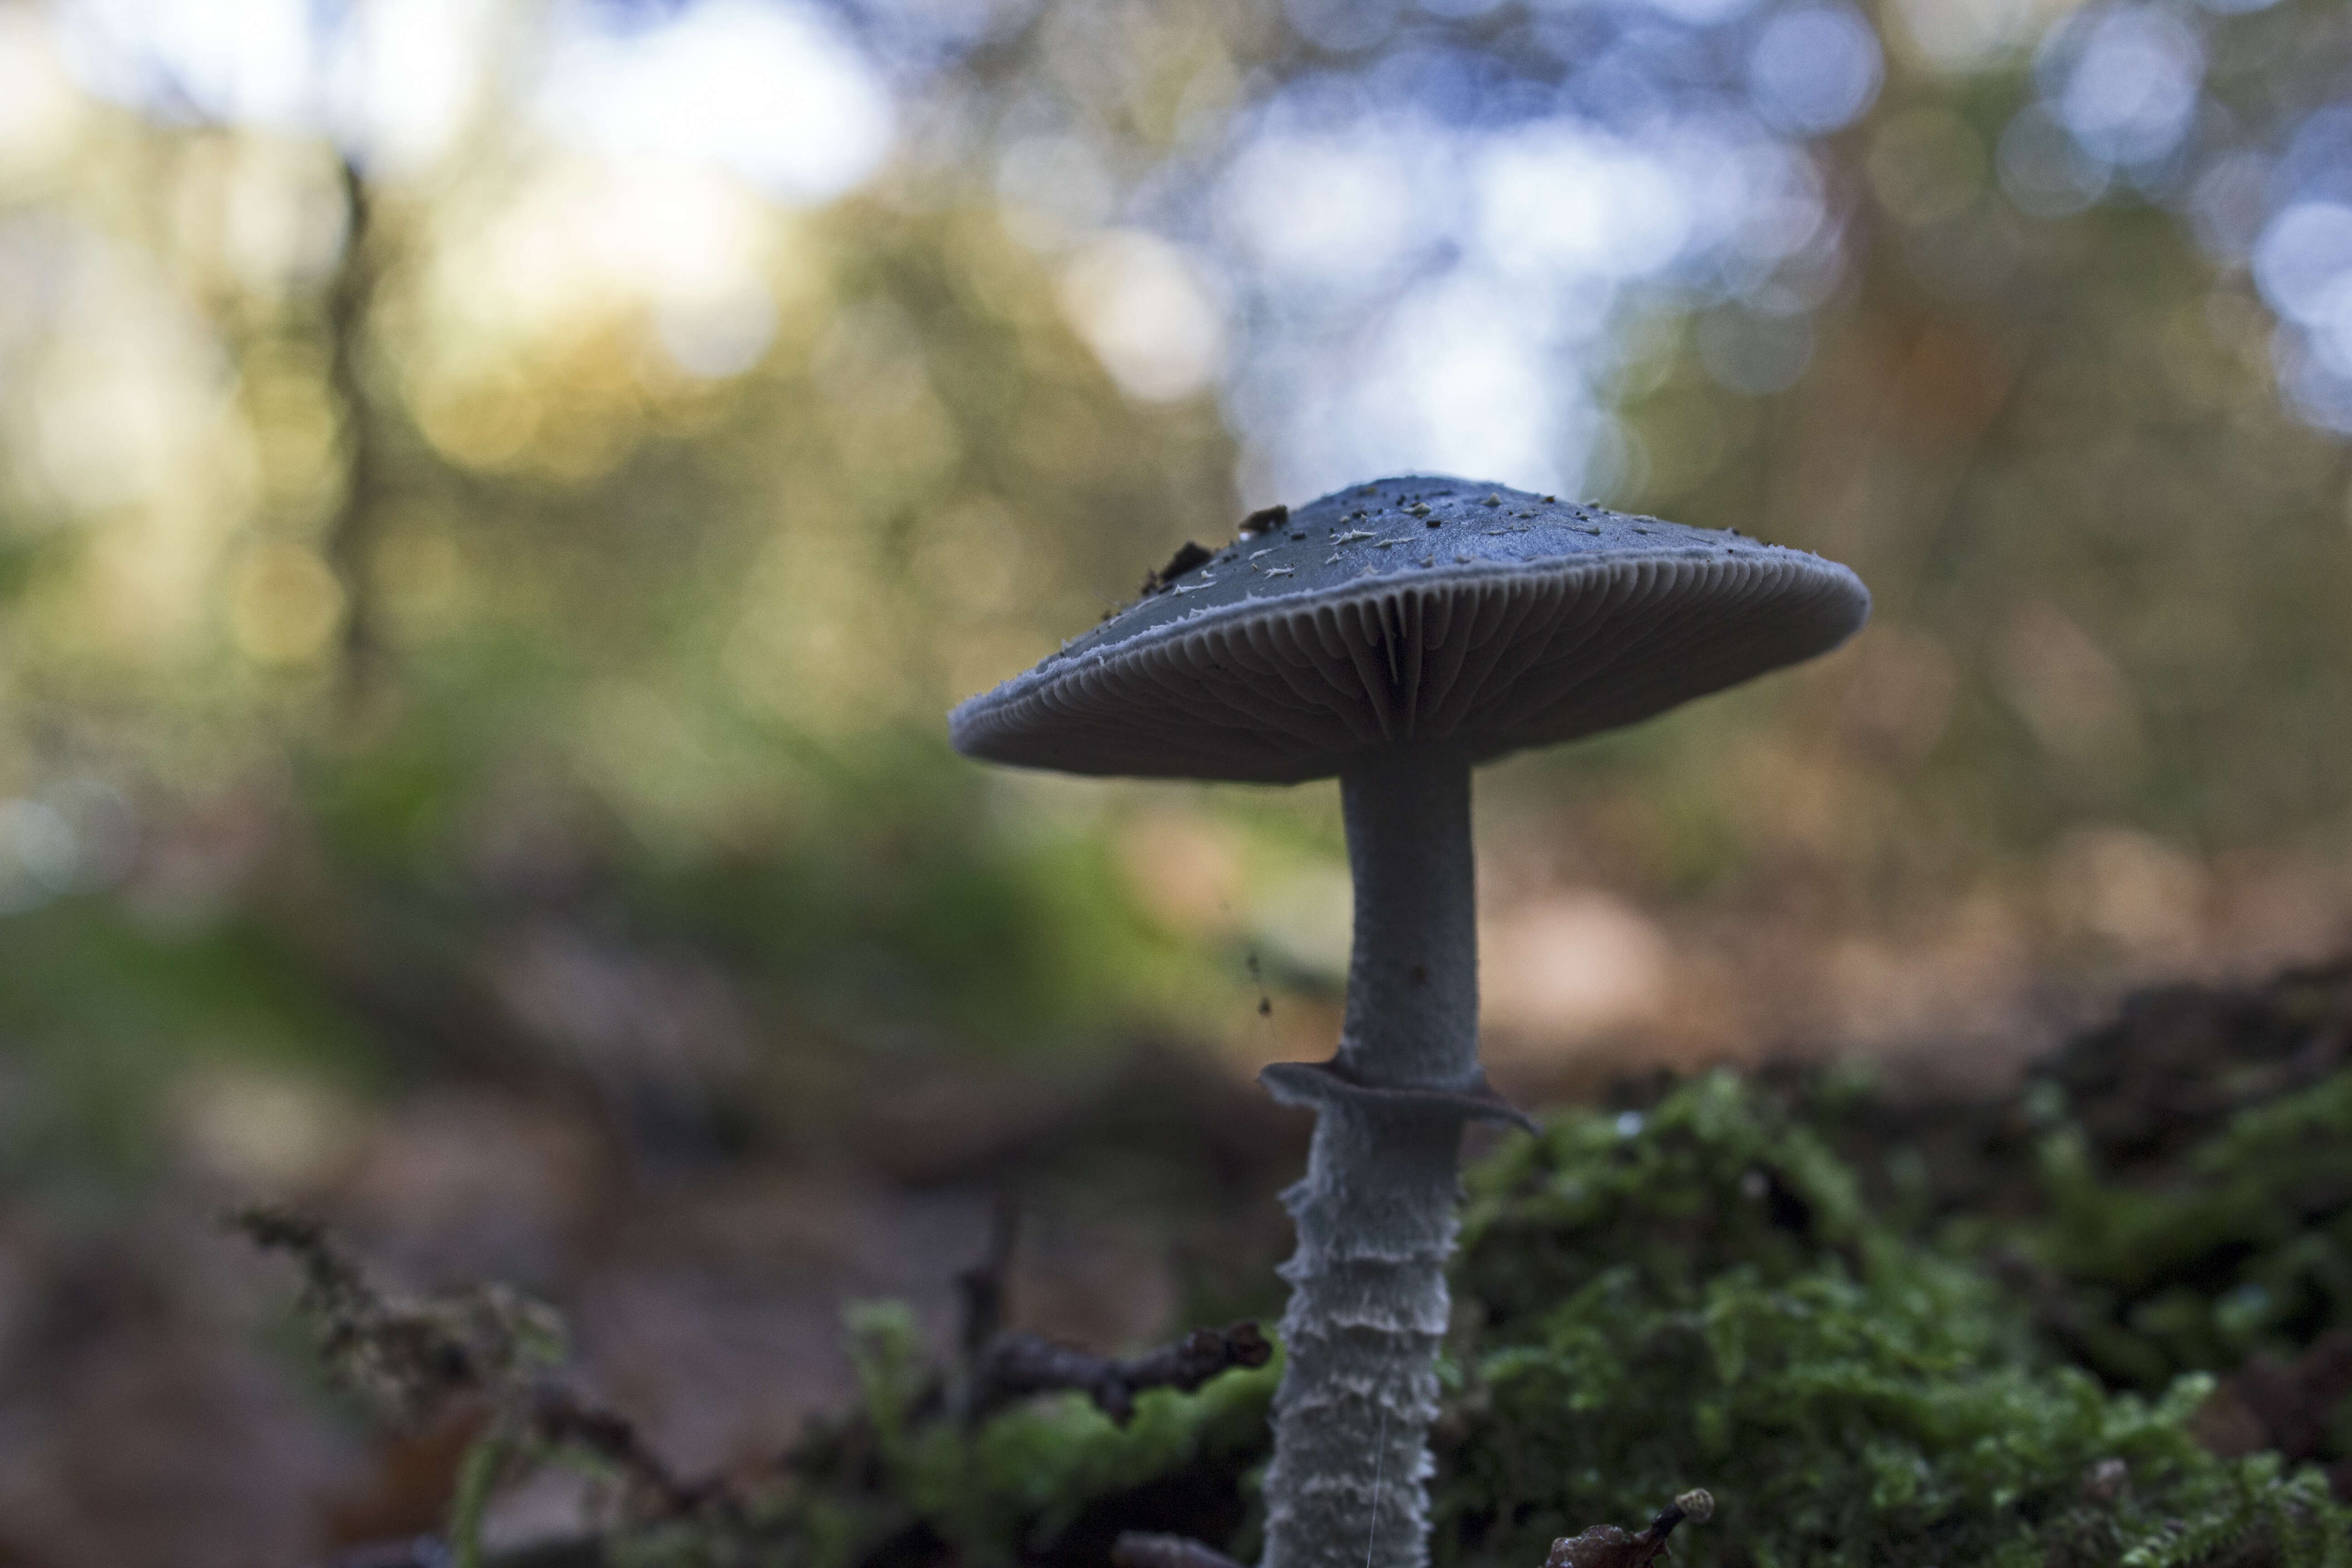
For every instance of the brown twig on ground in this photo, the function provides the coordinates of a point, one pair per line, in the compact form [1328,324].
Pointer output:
[560,1419]
[997,1368]
[1019,1364]
[411,1357]
[1137,1549]
[981,1291]
[1607,1546]
[406,1357]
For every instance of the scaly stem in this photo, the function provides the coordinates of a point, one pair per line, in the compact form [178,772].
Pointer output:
[1376,1211]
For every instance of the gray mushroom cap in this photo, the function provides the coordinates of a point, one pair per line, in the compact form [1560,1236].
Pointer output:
[1420,611]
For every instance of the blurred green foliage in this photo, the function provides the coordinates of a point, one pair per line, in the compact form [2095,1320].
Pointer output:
[2225,1240]
[103,1016]
[2259,1206]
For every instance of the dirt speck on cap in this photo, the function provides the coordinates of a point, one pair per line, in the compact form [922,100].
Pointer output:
[1265,519]
[1188,556]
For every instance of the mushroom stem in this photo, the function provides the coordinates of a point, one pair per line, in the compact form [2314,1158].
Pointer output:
[1375,1213]
[1412,978]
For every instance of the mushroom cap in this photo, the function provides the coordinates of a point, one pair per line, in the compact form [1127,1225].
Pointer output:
[1413,611]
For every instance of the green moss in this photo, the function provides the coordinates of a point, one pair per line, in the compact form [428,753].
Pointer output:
[1008,1490]
[2244,1245]
[1698,1296]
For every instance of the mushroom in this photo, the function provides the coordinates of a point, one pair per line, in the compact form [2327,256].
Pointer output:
[1394,636]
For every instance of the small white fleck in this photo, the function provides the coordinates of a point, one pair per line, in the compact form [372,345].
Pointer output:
[1267,550]
[1280,571]
[1629,1124]
[1352,535]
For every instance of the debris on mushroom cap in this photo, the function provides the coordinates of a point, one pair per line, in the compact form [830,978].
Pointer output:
[1188,555]
[1302,650]
[1265,519]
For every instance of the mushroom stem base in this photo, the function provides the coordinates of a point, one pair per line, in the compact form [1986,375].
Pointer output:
[1375,1213]
[1368,1309]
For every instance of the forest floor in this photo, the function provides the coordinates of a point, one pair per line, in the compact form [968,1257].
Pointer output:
[158,1408]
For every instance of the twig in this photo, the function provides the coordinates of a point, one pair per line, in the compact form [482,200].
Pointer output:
[413,1356]
[560,1418]
[980,1290]
[406,1357]
[1019,1364]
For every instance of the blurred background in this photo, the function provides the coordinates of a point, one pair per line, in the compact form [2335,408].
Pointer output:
[496,498]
